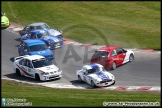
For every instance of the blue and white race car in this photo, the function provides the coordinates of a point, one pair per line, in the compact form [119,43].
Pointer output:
[35,47]
[95,75]
[40,25]
[51,41]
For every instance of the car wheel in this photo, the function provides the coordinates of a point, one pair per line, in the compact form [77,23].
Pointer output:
[131,57]
[92,83]
[114,66]
[79,78]
[37,77]
[18,72]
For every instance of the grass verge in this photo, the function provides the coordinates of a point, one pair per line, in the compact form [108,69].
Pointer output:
[44,96]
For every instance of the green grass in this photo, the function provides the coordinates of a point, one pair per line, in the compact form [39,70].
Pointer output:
[127,24]
[44,96]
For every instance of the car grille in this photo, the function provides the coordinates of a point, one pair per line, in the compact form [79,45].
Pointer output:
[106,81]
[53,77]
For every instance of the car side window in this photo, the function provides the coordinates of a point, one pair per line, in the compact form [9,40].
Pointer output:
[22,62]
[96,54]
[32,28]
[103,54]
[33,36]
[26,28]
[119,50]
[28,63]
[114,52]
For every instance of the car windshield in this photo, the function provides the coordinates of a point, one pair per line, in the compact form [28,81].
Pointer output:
[96,70]
[43,26]
[41,63]
[38,47]
[42,34]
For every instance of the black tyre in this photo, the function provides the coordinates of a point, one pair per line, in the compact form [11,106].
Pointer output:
[114,66]
[37,77]
[92,83]
[131,58]
[79,78]
[18,72]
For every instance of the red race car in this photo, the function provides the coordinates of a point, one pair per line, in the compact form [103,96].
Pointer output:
[112,56]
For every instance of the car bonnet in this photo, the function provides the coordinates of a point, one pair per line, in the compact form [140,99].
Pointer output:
[100,75]
[50,68]
[42,53]
[54,32]
[52,39]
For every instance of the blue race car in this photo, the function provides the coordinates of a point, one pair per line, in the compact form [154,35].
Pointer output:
[35,47]
[51,41]
[41,25]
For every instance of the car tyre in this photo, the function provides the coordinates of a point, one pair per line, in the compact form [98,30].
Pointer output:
[92,83]
[131,58]
[37,77]
[18,72]
[79,78]
[113,65]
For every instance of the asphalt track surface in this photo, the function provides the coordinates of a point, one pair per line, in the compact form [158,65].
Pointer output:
[144,71]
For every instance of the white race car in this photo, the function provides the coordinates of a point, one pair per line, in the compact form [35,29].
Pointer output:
[95,75]
[36,66]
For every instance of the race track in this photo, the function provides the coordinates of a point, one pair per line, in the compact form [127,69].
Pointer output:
[144,71]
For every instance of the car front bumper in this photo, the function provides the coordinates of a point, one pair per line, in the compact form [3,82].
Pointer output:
[50,77]
[5,24]
[105,83]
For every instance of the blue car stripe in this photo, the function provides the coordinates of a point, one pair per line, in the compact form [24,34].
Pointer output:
[94,66]
[102,76]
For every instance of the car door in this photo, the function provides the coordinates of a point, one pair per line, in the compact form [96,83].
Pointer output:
[21,48]
[25,51]
[85,77]
[120,55]
[22,67]
[29,68]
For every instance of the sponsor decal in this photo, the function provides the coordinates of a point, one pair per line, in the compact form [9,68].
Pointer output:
[41,52]
[48,68]
[25,72]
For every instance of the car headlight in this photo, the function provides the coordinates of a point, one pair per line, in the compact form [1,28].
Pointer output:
[46,73]
[97,81]
[59,70]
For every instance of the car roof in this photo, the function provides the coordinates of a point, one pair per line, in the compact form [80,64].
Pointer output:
[32,42]
[37,31]
[91,66]
[34,57]
[108,48]
[37,24]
